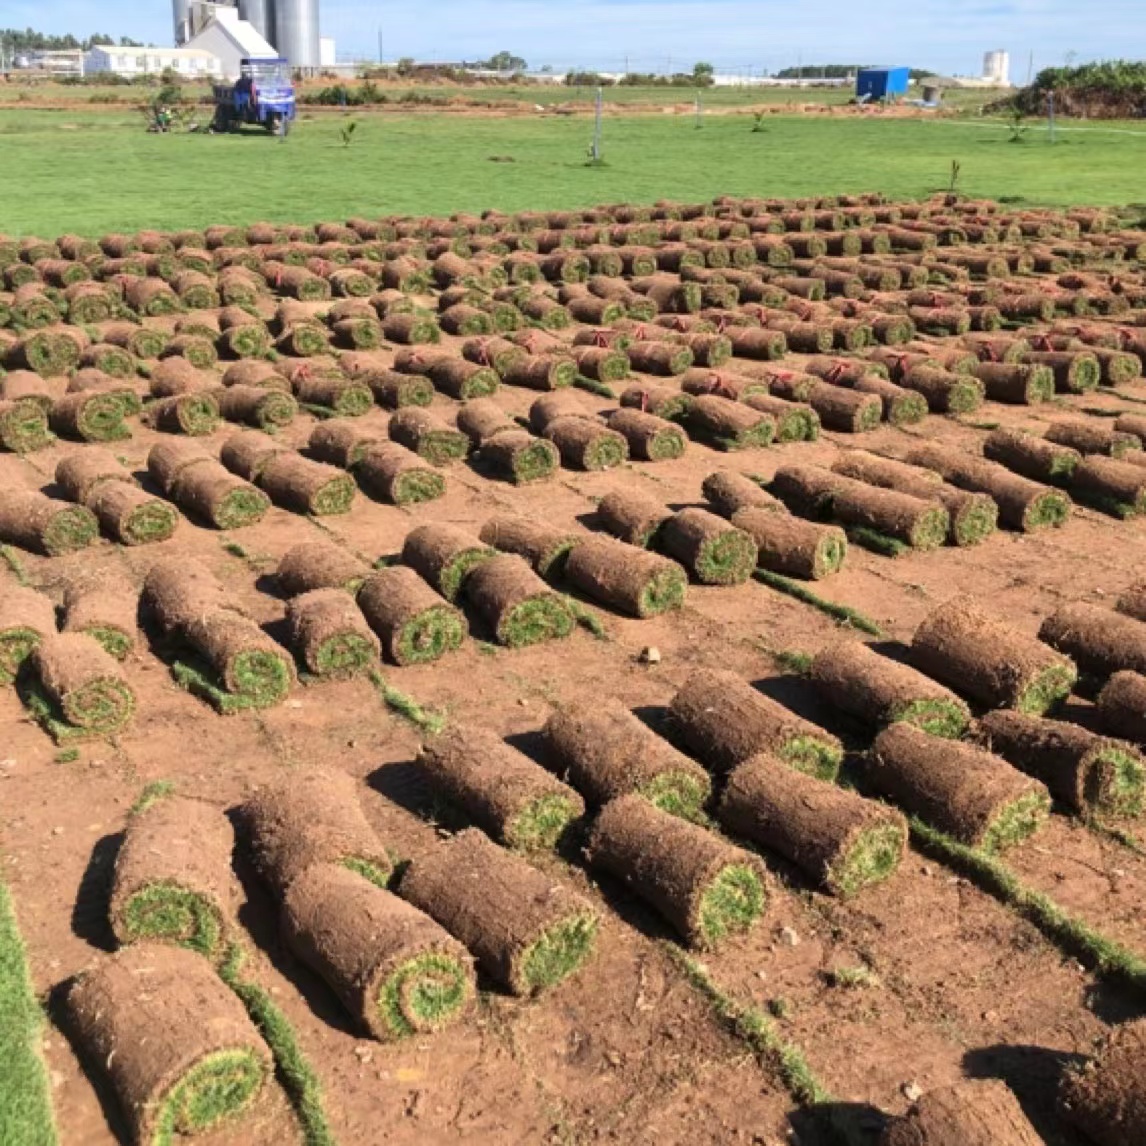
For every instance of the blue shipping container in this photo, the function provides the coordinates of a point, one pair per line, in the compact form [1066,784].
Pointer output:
[882,83]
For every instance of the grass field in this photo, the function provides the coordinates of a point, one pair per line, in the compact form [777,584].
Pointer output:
[97,172]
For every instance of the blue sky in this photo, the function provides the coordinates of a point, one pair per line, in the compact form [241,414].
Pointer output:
[735,35]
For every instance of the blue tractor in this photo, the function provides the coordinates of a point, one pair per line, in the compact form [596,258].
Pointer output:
[262,95]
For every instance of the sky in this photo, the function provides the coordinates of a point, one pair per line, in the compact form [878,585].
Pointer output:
[948,36]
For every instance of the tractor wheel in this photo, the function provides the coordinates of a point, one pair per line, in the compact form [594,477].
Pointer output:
[222,121]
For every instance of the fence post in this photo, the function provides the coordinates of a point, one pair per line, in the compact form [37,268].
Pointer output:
[597,127]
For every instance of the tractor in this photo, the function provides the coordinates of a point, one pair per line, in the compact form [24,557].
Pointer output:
[262,95]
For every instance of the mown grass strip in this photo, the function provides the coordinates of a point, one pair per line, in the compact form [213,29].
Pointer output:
[755,1028]
[295,1073]
[586,618]
[845,614]
[594,387]
[25,1100]
[12,560]
[791,661]
[1107,956]
[406,706]
[877,542]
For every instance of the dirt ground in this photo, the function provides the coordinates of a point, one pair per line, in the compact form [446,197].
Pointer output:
[627,1051]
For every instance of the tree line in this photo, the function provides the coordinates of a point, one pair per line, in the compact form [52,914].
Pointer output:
[16,41]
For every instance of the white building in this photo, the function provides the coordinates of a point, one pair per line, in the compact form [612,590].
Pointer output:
[131,62]
[229,40]
[327,52]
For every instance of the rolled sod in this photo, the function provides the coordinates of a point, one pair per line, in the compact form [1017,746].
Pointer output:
[520,457]
[1023,384]
[1116,487]
[1125,424]
[261,374]
[846,411]
[1024,505]
[245,661]
[729,425]
[304,486]
[973,516]
[964,791]
[103,604]
[901,407]
[84,682]
[178,376]
[444,556]
[1122,706]
[132,516]
[540,372]
[714,551]
[722,383]
[1089,437]
[211,493]
[526,930]
[795,421]
[319,564]
[1087,773]
[49,352]
[1105,1097]
[393,390]
[586,444]
[724,720]
[142,341]
[632,516]
[23,426]
[312,816]
[411,329]
[462,380]
[545,547]
[28,387]
[515,604]
[344,396]
[427,435]
[26,619]
[481,419]
[195,414]
[80,472]
[396,971]
[1075,372]
[708,889]
[502,791]
[34,521]
[330,636]
[113,360]
[840,840]
[625,578]
[728,492]
[173,878]
[602,363]
[257,406]
[1033,457]
[550,407]
[1099,640]
[415,625]
[90,416]
[791,546]
[175,1042]
[980,1112]
[650,438]
[393,473]
[814,492]
[604,751]
[123,389]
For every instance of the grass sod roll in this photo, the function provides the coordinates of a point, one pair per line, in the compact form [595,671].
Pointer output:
[723,720]
[651,439]
[1105,1097]
[195,414]
[1116,487]
[49,352]
[311,817]
[329,635]
[602,363]
[481,419]
[23,426]
[132,516]
[427,435]
[1090,437]
[662,401]
[173,882]
[965,648]
[707,889]
[964,791]
[605,751]
[540,372]
[837,838]
[210,493]
[846,411]
[397,972]
[722,383]
[660,358]
[209,1066]
[586,444]
[321,564]
[1090,774]
[411,329]
[946,391]
[304,486]
[545,547]
[526,930]
[34,521]
[515,604]
[26,619]
[1019,384]
[250,340]
[1099,640]
[632,516]
[502,791]
[792,546]
[393,391]
[113,360]
[105,605]
[625,578]
[520,457]
[728,492]
[344,397]
[90,416]
[390,472]
[855,678]
[1075,372]
[415,625]
[1024,505]
[255,406]
[245,661]
[795,421]
[901,407]
[978,1112]
[729,425]
[814,492]
[85,684]
[80,472]
[1122,706]
[141,341]
[444,556]
[714,551]
[973,516]
[176,590]
[462,380]
[1031,456]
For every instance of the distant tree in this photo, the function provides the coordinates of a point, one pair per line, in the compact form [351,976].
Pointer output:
[405,65]
[505,62]
[704,75]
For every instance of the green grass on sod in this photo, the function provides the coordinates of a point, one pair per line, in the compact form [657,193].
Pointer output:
[842,613]
[25,1101]
[406,706]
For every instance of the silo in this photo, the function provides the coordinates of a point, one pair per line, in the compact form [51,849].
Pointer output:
[257,13]
[997,68]
[296,32]
[181,18]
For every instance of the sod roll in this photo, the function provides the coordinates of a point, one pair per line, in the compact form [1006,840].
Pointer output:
[390,472]
[521,458]
[1089,437]
[26,619]
[311,817]
[104,604]
[964,791]
[195,414]
[526,930]
[84,682]
[396,971]
[1117,487]
[545,547]
[444,556]
[625,578]
[515,604]
[1033,457]
[330,636]
[415,625]
[319,564]
[1023,384]
[855,678]
[249,452]
[723,720]
[730,425]
[132,516]
[175,1043]
[257,406]
[80,472]
[1099,640]
[34,521]
[837,838]
[632,516]
[791,546]
[174,882]
[706,888]
[1122,706]
[222,499]
[551,407]
[728,492]
[650,438]
[501,790]
[980,1112]
[176,590]
[1105,1097]
[713,550]
[482,419]
[663,401]
[586,444]
[427,435]
[90,416]
[305,486]
[167,460]
[246,662]
[23,426]
[342,441]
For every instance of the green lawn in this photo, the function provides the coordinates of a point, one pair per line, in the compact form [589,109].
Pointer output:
[98,172]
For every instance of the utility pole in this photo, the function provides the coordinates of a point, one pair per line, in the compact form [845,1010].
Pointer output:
[1031,68]
[596,153]
[381,58]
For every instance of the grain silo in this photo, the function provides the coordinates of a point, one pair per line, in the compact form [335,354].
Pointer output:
[997,68]
[295,32]
[257,13]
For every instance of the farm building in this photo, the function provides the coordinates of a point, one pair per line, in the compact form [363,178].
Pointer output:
[129,62]
[882,83]
[230,39]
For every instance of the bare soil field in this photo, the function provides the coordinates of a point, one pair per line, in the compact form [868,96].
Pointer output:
[398,384]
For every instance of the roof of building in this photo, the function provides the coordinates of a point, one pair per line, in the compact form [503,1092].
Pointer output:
[243,34]
[167,53]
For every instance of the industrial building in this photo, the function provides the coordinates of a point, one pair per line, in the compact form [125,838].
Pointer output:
[189,62]
[287,29]
[874,84]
